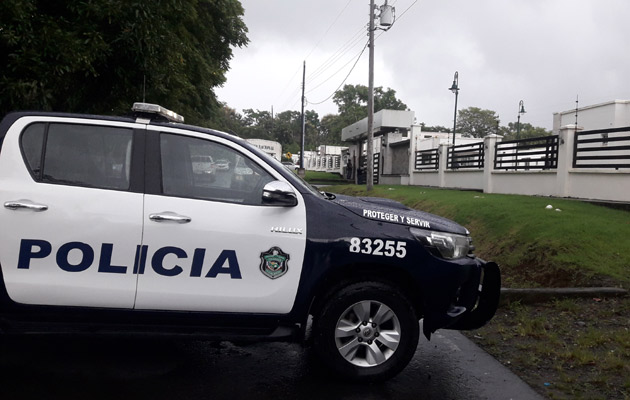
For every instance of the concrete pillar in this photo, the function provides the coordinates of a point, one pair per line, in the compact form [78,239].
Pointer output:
[489,148]
[414,136]
[442,164]
[566,140]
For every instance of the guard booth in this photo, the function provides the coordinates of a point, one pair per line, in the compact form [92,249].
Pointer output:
[391,129]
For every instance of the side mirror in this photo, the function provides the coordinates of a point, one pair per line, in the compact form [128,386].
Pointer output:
[278,193]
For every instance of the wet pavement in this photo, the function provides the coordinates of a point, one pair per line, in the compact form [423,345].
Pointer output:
[448,367]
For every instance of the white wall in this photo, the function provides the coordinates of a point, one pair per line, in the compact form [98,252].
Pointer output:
[614,114]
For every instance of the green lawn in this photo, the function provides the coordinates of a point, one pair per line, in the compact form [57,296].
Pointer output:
[573,244]
[325,178]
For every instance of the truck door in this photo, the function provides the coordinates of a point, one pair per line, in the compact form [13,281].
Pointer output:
[209,243]
[71,213]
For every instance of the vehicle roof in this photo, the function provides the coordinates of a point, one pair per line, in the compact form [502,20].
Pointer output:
[11,117]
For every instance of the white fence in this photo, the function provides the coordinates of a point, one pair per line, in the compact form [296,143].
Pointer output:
[333,164]
[553,167]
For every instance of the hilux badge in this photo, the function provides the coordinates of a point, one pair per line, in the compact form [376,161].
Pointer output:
[274,263]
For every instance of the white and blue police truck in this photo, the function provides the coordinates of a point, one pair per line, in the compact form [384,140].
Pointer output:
[113,225]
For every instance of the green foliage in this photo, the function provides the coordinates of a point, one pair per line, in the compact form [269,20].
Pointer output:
[579,346]
[475,122]
[227,119]
[320,177]
[95,56]
[525,131]
[331,126]
[352,101]
[285,127]
[436,128]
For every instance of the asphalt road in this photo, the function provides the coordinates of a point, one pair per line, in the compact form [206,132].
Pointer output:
[447,367]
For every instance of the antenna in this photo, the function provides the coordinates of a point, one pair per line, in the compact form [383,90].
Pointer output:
[577,102]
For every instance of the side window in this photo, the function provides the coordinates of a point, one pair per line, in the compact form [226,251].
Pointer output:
[82,155]
[32,144]
[202,169]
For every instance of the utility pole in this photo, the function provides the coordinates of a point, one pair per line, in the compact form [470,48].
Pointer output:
[387,19]
[301,170]
[369,174]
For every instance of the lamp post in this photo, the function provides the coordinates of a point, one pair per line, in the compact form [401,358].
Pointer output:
[521,110]
[455,89]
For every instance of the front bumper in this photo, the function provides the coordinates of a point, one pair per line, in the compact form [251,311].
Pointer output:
[473,304]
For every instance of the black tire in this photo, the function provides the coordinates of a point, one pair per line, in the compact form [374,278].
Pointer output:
[374,351]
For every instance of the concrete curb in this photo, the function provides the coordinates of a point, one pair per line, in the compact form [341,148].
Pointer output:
[539,295]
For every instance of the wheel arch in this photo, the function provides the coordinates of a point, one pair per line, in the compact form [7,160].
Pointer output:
[348,274]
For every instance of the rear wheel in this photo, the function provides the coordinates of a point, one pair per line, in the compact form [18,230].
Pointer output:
[367,331]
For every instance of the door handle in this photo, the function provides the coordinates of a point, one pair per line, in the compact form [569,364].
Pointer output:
[25,204]
[168,216]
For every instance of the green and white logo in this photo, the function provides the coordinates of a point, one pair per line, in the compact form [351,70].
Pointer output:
[274,263]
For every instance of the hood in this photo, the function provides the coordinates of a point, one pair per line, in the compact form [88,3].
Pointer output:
[394,212]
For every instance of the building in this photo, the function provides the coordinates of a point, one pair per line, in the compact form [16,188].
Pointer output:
[589,161]
[274,149]
[613,114]
[394,132]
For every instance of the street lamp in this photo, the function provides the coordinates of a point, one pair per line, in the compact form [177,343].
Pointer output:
[455,89]
[521,110]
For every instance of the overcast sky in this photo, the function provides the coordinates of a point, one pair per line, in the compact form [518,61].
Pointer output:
[544,52]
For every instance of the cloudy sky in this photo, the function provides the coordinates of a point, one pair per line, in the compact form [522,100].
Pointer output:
[544,52]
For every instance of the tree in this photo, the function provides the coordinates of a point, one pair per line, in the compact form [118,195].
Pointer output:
[475,122]
[228,120]
[330,129]
[100,56]
[257,124]
[437,128]
[352,100]
[526,131]
[351,103]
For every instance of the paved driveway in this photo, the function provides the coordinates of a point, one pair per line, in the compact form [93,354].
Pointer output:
[447,367]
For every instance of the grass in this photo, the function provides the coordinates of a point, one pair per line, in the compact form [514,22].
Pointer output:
[564,349]
[327,178]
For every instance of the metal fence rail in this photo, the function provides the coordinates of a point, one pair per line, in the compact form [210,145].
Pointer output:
[603,148]
[427,160]
[466,156]
[364,167]
[527,154]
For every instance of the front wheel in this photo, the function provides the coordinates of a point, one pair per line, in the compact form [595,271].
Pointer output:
[367,331]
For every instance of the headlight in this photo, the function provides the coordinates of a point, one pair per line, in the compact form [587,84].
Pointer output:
[447,245]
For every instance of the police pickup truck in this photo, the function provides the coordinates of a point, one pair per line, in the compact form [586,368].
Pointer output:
[107,226]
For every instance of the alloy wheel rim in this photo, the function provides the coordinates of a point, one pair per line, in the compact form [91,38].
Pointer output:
[367,333]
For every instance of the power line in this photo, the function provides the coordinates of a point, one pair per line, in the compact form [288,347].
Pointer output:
[333,74]
[328,29]
[344,80]
[331,61]
[407,9]
[341,51]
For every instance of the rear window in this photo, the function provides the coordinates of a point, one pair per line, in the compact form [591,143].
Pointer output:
[80,155]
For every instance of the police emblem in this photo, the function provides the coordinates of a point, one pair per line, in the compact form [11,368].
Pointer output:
[274,263]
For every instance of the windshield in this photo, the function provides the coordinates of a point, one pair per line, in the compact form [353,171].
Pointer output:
[296,179]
